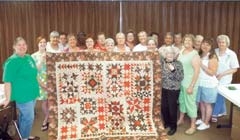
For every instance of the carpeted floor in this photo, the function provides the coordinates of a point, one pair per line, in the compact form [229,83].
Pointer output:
[211,134]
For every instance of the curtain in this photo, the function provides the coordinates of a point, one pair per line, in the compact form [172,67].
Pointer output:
[207,18]
[31,19]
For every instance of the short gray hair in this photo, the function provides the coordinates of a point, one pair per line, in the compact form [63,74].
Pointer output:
[109,40]
[152,38]
[54,34]
[169,49]
[224,38]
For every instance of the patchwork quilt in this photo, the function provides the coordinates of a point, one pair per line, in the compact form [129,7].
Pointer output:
[104,96]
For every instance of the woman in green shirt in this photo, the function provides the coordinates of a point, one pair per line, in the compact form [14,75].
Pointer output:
[21,85]
[189,85]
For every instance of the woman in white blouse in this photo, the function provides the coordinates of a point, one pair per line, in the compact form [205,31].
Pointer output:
[228,65]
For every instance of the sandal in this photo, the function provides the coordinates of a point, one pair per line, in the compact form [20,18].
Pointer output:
[191,131]
[179,123]
[214,119]
[34,138]
[44,126]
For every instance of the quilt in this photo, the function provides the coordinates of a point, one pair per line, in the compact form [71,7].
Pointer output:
[104,96]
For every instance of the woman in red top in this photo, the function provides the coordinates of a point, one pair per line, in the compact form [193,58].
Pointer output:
[100,42]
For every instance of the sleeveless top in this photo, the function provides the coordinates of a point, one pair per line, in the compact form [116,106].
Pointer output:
[186,60]
[206,80]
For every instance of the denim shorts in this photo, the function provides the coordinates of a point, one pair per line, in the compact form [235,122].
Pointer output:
[207,95]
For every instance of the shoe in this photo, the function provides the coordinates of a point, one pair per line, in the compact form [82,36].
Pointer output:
[214,119]
[203,126]
[45,127]
[171,131]
[34,138]
[190,131]
[221,115]
[198,122]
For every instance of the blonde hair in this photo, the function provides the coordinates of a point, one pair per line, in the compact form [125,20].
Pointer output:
[71,35]
[191,36]
[120,34]
[199,37]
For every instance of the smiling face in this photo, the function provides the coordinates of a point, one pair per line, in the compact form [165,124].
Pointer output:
[109,45]
[101,39]
[89,43]
[169,56]
[177,39]
[205,47]
[151,44]
[72,41]
[188,42]
[222,44]
[197,42]
[20,47]
[130,37]
[63,39]
[120,39]
[42,44]
[168,40]
[142,36]
[54,40]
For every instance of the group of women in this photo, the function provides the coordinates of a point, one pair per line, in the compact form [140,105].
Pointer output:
[189,76]
[203,69]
